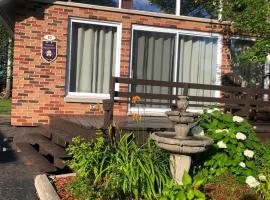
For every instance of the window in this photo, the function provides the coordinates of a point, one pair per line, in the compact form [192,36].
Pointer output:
[163,6]
[252,75]
[153,59]
[175,55]
[110,3]
[197,62]
[94,56]
[202,9]
[198,8]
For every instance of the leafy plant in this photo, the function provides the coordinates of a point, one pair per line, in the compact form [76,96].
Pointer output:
[189,190]
[264,174]
[236,150]
[120,171]
[87,157]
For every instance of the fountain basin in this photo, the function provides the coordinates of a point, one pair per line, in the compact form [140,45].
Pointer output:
[184,145]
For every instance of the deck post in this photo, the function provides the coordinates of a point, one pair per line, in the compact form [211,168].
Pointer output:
[185,92]
[108,105]
[108,112]
[247,99]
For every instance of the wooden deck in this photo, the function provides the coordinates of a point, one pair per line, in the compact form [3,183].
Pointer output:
[44,146]
[121,122]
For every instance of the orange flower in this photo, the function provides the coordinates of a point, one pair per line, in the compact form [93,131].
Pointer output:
[135,99]
[136,117]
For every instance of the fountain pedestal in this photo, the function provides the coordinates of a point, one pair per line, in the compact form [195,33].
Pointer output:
[179,143]
[178,165]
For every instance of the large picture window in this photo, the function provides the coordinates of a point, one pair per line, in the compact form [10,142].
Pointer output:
[94,51]
[175,55]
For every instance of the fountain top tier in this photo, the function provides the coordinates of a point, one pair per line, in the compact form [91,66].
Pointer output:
[180,114]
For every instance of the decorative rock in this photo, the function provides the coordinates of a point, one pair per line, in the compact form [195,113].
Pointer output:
[45,189]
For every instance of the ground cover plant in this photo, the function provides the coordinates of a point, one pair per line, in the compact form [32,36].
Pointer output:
[5,107]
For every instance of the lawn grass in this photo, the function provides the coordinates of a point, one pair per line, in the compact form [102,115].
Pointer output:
[5,107]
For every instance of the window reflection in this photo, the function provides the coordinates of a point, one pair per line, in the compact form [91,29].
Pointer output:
[161,6]
[110,3]
[199,8]
[253,74]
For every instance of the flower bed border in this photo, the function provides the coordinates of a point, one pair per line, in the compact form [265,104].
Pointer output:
[44,187]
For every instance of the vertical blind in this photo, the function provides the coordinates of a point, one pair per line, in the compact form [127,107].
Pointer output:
[153,55]
[92,57]
[153,59]
[197,62]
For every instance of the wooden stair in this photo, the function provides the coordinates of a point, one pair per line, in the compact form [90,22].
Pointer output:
[33,158]
[44,147]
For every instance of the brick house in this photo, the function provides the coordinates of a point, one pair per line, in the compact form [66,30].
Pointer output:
[140,38]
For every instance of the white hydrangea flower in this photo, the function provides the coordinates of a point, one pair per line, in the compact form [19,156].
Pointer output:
[242,164]
[221,130]
[248,153]
[197,130]
[221,145]
[262,178]
[252,182]
[238,119]
[254,127]
[240,136]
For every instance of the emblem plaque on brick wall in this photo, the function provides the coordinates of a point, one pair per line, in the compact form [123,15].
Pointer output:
[49,48]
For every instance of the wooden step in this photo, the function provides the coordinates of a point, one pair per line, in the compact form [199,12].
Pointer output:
[33,158]
[47,146]
[72,128]
[61,138]
[63,130]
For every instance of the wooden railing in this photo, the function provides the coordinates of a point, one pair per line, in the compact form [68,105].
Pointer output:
[239,100]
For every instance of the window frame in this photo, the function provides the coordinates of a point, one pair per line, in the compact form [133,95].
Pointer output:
[84,95]
[177,32]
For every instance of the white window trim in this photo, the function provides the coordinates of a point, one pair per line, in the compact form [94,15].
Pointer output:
[158,111]
[93,96]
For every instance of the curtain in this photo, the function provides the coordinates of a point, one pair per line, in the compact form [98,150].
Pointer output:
[93,58]
[153,55]
[197,62]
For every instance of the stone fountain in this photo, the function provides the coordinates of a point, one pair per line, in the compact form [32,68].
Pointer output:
[181,144]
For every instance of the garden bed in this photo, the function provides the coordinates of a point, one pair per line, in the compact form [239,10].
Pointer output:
[61,183]
[235,167]
[226,187]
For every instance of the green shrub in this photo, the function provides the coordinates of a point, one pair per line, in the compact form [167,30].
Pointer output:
[187,191]
[236,150]
[121,172]
[264,174]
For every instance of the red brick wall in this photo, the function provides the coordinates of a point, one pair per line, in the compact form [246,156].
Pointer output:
[39,87]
